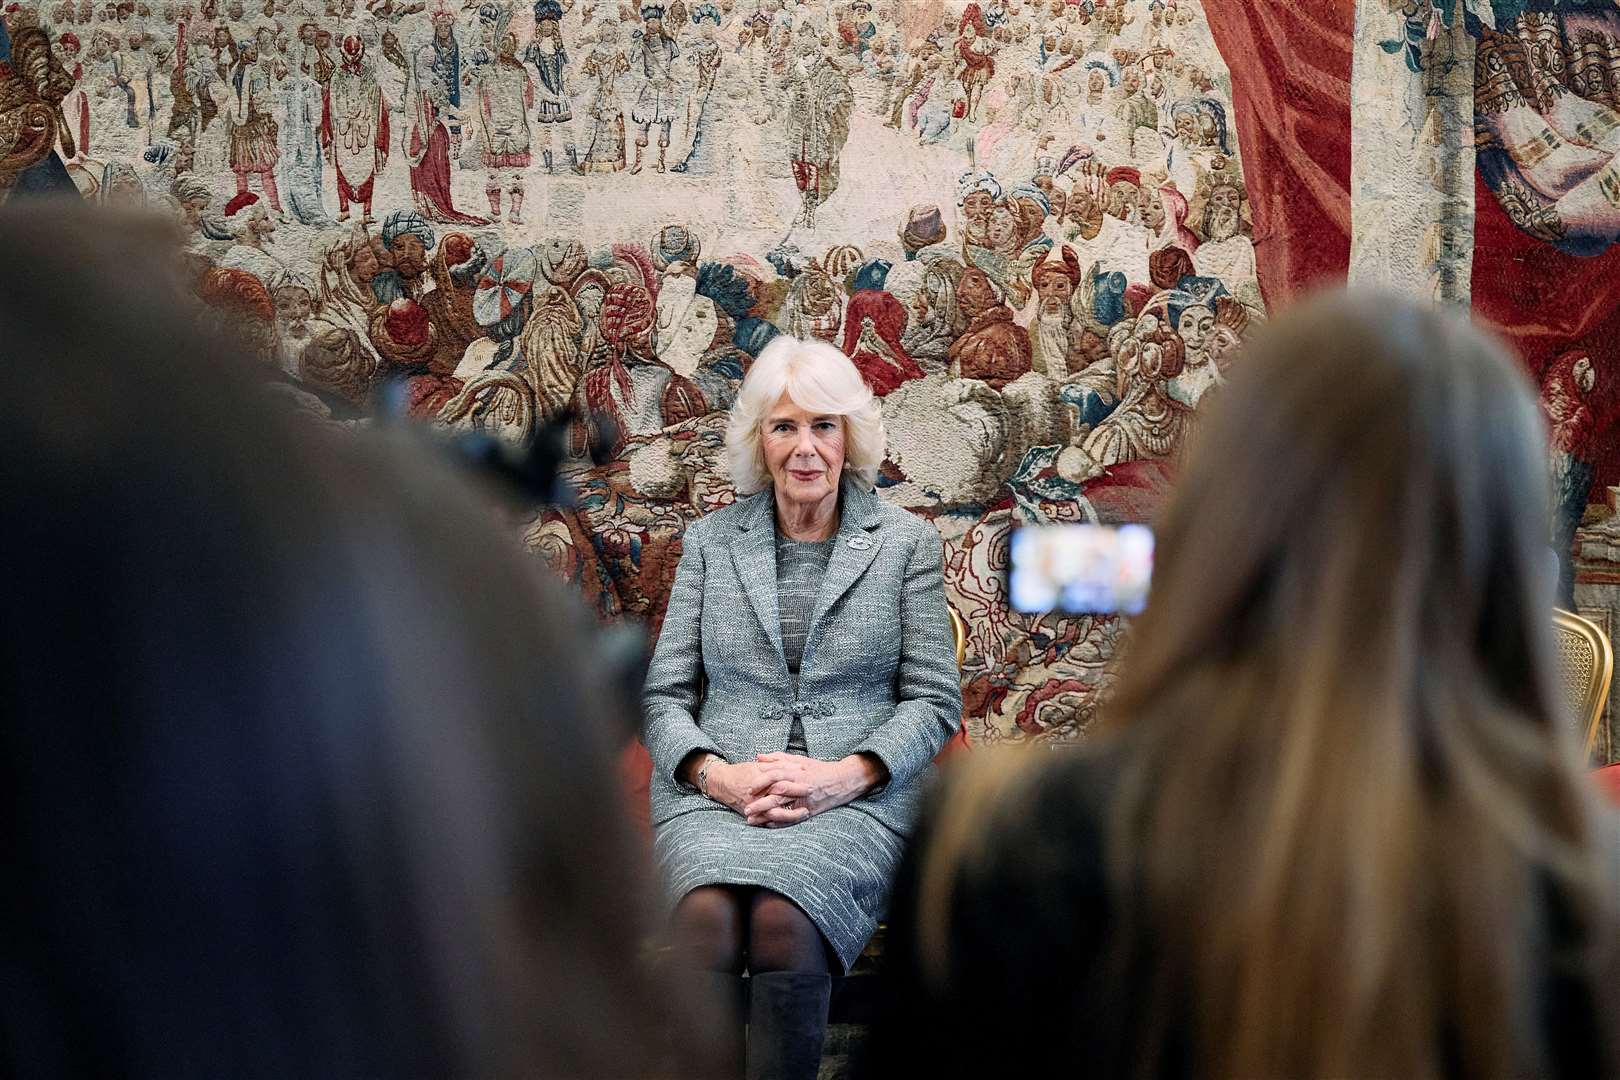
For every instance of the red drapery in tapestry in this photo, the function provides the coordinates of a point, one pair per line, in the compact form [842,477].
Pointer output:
[1546,303]
[1291,92]
[1290,69]
[1546,265]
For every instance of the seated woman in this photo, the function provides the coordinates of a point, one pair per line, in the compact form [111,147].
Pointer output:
[803,681]
[1337,825]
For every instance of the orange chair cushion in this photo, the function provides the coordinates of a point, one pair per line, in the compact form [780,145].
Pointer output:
[1609,779]
[635,777]
[956,744]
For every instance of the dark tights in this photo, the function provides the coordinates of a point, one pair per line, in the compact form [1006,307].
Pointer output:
[722,927]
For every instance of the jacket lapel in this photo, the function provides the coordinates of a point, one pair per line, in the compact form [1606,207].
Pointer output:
[753,551]
[855,546]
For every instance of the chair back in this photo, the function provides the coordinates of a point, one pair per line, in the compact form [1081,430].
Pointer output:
[1585,668]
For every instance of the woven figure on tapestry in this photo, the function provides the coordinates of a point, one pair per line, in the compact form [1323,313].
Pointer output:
[652,58]
[505,94]
[554,107]
[354,128]
[254,149]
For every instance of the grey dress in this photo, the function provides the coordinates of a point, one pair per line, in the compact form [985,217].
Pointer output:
[877,675]
[800,565]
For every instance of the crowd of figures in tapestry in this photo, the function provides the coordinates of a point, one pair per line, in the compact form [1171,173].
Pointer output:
[1025,222]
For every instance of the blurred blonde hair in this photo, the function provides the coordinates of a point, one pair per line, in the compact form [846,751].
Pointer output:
[817,377]
[1351,791]
[1351,824]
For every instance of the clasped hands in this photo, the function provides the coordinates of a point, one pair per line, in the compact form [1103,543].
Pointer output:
[779,789]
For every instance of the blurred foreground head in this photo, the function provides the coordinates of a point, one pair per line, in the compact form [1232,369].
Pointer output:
[1353,792]
[302,770]
[1338,826]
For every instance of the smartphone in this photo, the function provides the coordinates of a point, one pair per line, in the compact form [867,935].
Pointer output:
[1075,569]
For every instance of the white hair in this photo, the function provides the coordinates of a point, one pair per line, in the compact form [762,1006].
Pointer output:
[816,377]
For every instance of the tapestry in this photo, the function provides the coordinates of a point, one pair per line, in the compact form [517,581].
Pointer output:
[1026,223]
[1485,134]
[1547,118]
[1546,269]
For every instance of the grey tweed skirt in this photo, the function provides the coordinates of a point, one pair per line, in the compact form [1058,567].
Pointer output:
[838,866]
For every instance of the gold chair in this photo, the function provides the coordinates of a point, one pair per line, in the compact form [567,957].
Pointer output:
[959,632]
[1585,667]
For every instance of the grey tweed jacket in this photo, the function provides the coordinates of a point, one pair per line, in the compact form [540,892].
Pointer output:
[878,674]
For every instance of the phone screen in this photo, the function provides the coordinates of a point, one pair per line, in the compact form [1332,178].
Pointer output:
[1081,569]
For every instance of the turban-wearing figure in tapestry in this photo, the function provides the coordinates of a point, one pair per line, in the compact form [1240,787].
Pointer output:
[32,88]
[993,347]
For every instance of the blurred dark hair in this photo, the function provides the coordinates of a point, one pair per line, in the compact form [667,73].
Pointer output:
[304,766]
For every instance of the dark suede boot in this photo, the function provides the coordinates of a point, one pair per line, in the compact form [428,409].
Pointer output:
[787,1023]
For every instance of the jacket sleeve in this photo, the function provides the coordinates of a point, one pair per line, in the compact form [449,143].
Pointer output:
[670,697]
[928,685]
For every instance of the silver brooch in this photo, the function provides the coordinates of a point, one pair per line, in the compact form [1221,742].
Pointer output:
[859,543]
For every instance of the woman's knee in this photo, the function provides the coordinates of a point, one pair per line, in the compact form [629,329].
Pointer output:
[781,937]
[709,925]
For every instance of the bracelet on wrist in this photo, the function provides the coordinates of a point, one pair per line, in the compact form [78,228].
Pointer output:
[703,775]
